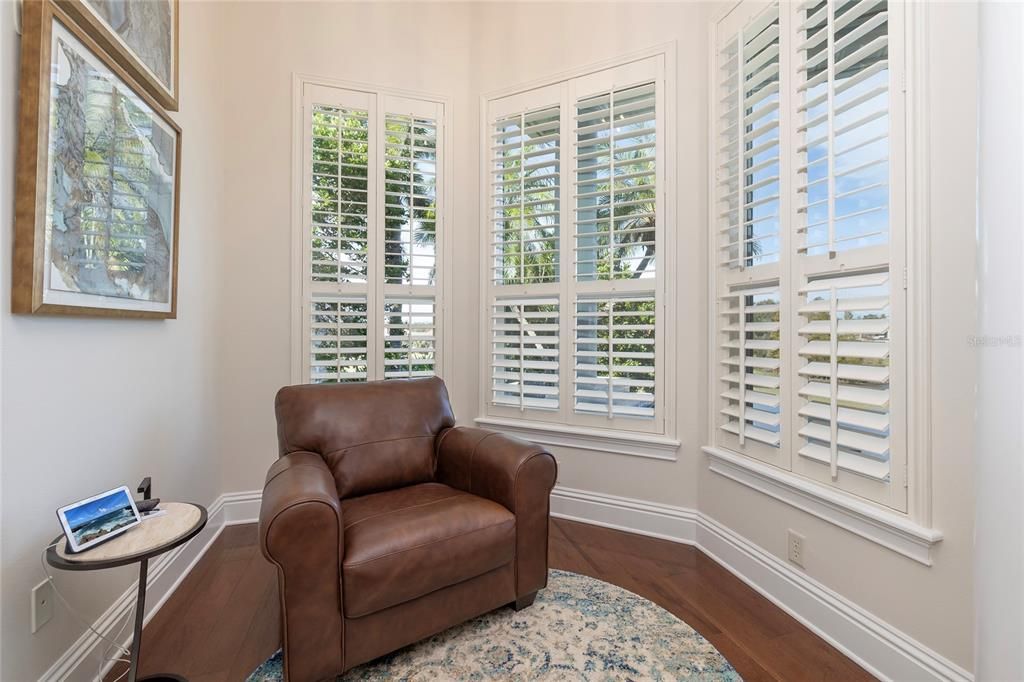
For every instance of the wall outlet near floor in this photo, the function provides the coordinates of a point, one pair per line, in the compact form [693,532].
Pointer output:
[42,604]
[796,547]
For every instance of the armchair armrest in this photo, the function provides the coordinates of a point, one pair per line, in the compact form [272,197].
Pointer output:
[302,534]
[492,465]
[513,473]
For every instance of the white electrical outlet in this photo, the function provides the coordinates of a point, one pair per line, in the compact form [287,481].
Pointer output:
[42,604]
[796,547]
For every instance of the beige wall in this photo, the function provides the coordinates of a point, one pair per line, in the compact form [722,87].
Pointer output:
[999,467]
[89,404]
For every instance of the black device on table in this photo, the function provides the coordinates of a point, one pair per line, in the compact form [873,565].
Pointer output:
[146,504]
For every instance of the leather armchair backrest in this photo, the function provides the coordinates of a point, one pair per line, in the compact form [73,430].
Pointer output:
[373,436]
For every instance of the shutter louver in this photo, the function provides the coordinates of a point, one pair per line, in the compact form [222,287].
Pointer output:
[526,193]
[751,344]
[842,126]
[409,337]
[616,201]
[845,350]
[749,169]
[614,360]
[338,339]
[410,199]
[340,164]
[524,353]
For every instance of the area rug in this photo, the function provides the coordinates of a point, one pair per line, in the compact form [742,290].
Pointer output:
[579,628]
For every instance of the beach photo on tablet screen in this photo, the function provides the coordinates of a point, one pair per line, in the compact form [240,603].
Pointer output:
[104,515]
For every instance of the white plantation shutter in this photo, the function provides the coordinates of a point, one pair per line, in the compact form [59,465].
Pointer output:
[340,202]
[572,285]
[616,207]
[846,371]
[613,357]
[752,411]
[750,376]
[338,348]
[749,169]
[524,353]
[617,157]
[411,207]
[526,189]
[844,366]
[372,223]
[524,185]
[810,153]
[410,199]
[842,125]
[409,338]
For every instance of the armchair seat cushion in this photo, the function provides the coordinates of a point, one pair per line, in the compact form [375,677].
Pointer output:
[404,543]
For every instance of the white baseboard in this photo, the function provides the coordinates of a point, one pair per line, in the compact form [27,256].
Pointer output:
[877,646]
[243,507]
[621,513]
[82,660]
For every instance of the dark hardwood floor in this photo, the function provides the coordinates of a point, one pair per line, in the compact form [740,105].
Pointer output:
[222,621]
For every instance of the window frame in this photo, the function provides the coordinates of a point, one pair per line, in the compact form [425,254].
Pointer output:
[909,299]
[377,290]
[564,426]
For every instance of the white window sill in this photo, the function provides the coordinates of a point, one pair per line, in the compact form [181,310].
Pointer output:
[596,440]
[887,528]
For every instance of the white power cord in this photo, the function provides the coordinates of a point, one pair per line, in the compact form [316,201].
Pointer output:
[121,650]
[106,658]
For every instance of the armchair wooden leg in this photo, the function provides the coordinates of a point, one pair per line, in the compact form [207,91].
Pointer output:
[524,601]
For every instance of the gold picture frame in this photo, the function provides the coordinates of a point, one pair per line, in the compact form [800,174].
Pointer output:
[97,181]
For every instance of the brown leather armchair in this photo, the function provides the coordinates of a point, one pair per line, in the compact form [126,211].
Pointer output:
[388,524]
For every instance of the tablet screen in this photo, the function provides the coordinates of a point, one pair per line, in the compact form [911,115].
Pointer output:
[98,518]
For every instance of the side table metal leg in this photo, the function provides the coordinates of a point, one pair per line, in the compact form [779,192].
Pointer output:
[140,614]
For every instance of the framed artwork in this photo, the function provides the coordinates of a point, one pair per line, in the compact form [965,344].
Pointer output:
[141,35]
[96,209]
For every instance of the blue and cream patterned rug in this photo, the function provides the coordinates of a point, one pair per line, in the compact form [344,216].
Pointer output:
[579,628]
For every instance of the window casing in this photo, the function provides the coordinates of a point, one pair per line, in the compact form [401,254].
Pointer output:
[808,236]
[576,323]
[371,215]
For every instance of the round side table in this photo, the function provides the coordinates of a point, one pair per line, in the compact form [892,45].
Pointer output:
[181,522]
